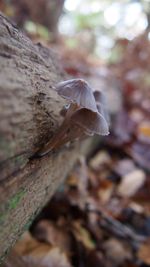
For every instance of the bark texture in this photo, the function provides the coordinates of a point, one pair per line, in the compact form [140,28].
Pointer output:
[29,116]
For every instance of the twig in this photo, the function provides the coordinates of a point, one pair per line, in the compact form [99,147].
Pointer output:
[118,229]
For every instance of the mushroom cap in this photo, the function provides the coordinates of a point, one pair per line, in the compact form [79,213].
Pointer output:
[77,91]
[103,111]
[100,98]
[91,122]
[101,105]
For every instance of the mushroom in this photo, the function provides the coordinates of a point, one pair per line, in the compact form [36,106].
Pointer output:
[101,105]
[82,117]
[79,93]
[91,122]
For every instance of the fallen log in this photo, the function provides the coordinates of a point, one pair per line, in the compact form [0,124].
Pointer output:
[29,116]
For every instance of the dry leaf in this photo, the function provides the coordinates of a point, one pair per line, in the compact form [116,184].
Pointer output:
[124,166]
[144,252]
[144,132]
[116,251]
[25,244]
[40,254]
[105,191]
[99,159]
[82,235]
[56,236]
[131,183]
[47,257]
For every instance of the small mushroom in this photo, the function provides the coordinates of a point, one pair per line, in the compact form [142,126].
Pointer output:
[100,98]
[102,105]
[82,117]
[91,122]
[82,123]
[79,93]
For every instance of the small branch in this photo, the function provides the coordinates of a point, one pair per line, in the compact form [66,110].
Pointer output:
[118,229]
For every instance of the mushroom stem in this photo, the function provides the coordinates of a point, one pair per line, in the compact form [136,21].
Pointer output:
[72,108]
[61,136]
[57,140]
[67,132]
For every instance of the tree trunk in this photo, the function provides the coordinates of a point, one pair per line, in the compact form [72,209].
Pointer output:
[45,12]
[29,116]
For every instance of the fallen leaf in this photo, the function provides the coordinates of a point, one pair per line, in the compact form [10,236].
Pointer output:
[47,257]
[99,159]
[143,132]
[49,232]
[131,183]
[40,254]
[116,251]
[144,252]
[82,235]
[105,191]
[26,244]
[124,166]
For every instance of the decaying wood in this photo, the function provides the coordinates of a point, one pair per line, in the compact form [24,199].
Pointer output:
[29,116]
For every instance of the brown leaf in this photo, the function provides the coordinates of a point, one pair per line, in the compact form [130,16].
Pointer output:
[144,252]
[47,257]
[26,244]
[131,183]
[40,254]
[54,235]
[105,191]
[99,159]
[82,235]
[143,132]
[116,251]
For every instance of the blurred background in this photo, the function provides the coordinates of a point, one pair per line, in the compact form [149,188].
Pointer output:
[106,42]
[98,24]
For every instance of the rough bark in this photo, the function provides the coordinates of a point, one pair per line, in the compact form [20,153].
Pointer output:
[29,116]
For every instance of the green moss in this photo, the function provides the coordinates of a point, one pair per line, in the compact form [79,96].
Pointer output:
[12,204]
[14,201]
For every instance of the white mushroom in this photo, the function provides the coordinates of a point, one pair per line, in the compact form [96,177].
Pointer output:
[82,117]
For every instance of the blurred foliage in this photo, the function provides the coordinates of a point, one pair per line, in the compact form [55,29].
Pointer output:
[91,21]
[107,20]
[37,29]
